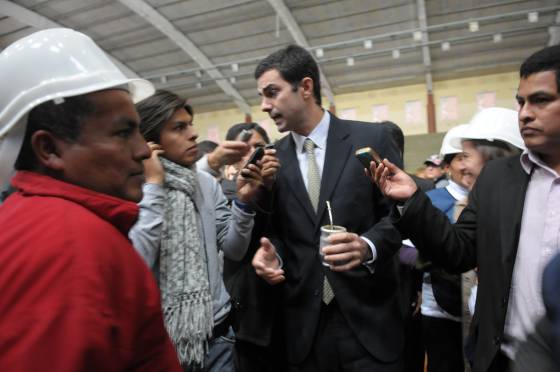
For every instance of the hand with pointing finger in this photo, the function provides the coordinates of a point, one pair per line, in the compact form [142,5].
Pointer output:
[266,263]
[393,182]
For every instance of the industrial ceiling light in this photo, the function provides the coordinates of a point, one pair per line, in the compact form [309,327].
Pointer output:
[163,79]
[396,53]
[319,52]
[235,67]
[533,17]
[198,74]
[497,38]
[350,61]
[445,46]
[417,35]
[368,44]
[232,80]
[198,85]
[473,26]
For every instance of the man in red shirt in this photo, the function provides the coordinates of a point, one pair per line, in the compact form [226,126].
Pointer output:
[75,295]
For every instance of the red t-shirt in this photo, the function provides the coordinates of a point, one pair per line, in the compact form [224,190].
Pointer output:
[74,295]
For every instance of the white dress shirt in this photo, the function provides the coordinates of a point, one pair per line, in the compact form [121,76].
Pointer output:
[539,241]
[319,136]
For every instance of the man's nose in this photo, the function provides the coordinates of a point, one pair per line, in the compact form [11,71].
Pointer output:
[141,149]
[526,113]
[265,105]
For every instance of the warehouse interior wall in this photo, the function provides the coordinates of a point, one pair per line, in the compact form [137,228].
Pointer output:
[456,101]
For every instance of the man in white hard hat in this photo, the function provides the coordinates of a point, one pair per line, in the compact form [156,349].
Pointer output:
[510,228]
[75,295]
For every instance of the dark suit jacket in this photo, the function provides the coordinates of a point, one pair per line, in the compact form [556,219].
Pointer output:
[367,301]
[254,302]
[486,235]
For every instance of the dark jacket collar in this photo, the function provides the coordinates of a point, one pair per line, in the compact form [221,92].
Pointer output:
[120,213]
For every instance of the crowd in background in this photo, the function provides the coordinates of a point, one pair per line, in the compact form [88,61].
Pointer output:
[126,244]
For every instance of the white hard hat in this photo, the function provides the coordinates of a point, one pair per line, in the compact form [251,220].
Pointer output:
[46,65]
[494,123]
[452,136]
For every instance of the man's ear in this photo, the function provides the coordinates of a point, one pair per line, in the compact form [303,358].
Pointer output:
[47,148]
[307,87]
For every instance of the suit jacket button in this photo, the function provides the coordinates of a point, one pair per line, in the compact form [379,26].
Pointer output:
[316,293]
[497,340]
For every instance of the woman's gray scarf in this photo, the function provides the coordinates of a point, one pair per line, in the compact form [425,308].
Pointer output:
[183,271]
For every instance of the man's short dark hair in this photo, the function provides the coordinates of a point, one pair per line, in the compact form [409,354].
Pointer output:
[235,129]
[547,59]
[293,63]
[64,120]
[156,110]
[396,134]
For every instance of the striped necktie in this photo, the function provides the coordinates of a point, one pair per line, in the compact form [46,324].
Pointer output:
[313,189]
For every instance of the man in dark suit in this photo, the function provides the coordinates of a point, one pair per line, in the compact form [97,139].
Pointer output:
[343,315]
[510,228]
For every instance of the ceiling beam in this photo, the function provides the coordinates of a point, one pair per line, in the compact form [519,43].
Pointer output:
[152,16]
[426,57]
[295,30]
[554,31]
[30,18]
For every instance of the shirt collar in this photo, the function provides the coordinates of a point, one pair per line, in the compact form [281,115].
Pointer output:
[318,135]
[120,213]
[530,160]
[457,191]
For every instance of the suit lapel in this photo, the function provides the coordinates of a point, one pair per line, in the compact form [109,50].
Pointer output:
[513,189]
[338,150]
[290,165]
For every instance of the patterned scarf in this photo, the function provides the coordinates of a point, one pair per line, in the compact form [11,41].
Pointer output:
[183,270]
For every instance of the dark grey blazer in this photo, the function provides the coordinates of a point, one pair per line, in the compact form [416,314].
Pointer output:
[485,236]
[368,301]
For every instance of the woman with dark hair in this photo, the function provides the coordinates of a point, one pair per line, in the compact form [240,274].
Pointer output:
[258,138]
[234,131]
[255,303]
[183,223]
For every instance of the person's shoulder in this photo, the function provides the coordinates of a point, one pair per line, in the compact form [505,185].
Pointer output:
[362,126]
[56,229]
[504,163]
[206,180]
[204,176]
[283,141]
[210,188]
[441,197]
[440,191]
[44,209]
[423,184]
[500,167]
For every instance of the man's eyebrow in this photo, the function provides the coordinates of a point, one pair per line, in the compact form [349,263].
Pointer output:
[123,120]
[183,122]
[268,87]
[535,94]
